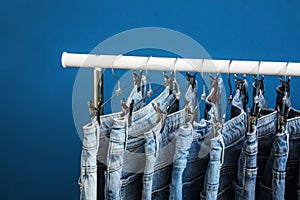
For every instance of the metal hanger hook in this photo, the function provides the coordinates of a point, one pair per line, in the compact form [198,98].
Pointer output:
[175,67]
[285,70]
[119,90]
[258,67]
[203,95]
[150,92]
[229,83]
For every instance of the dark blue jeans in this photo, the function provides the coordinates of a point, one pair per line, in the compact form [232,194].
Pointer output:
[266,131]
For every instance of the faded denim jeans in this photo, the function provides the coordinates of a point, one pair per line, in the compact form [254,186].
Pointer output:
[225,151]
[116,149]
[247,168]
[88,177]
[184,139]
[141,120]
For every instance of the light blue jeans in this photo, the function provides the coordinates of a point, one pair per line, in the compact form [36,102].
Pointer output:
[184,139]
[116,149]
[142,120]
[152,138]
[88,177]
[224,153]
[247,168]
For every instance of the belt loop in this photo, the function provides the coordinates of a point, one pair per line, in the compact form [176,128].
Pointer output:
[157,142]
[126,132]
[223,150]
[287,141]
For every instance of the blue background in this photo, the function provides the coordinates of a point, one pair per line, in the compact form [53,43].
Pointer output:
[40,150]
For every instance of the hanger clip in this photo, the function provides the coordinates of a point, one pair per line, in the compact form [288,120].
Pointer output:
[162,116]
[127,110]
[191,79]
[94,112]
[189,115]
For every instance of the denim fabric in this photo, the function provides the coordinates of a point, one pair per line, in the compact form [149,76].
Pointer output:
[281,149]
[158,167]
[292,165]
[163,162]
[116,149]
[224,153]
[183,143]
[266,127]
[158,164]
[197,160]
[247,168]
[151,151]
[280,173]
[245,183]
[273,181]
[142,120]
[88,177]
[212,176]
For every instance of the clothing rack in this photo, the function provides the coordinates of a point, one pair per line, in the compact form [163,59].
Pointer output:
[174,64]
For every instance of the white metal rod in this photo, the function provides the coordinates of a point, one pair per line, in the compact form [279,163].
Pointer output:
[180,64]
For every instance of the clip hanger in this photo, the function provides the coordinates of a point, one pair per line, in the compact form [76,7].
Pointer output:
[127,110]
[191,79]
[162,116]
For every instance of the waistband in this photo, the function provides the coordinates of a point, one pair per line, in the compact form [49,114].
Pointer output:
[267,123]
[293,127]
[235,128]
[172,124]
[164,99]
[118,132]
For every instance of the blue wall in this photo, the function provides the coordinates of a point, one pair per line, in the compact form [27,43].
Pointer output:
[40,150]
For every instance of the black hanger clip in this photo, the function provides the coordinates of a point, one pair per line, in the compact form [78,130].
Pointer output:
[191,79]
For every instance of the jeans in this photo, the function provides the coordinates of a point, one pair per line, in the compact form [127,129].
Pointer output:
[292,165]
[190,163]
[273,181]
[140,156]
[281,170]
[266,127]
[197,160]
[224,153]
[247,168]
[162,166]
[152,138]
[184,139]
[116,149]
[142,120]
[88,177]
